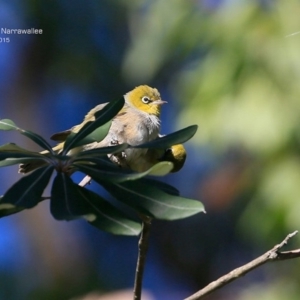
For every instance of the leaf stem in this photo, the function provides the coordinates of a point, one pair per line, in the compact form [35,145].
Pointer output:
[143,248]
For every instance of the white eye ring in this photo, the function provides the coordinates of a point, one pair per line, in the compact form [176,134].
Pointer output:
[146,100]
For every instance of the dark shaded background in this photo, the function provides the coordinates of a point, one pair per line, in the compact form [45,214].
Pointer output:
[231,67]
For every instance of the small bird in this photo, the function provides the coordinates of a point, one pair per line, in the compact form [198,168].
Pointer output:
[137,122]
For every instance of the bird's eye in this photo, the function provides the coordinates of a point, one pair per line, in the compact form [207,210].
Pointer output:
[146,100]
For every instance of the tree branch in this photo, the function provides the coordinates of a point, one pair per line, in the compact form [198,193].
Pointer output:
[271,255]
[143,248]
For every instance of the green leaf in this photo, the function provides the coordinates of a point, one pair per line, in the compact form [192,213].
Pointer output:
[16,161]
[105,171]
[27,192]
[106,217]
[152,201]
[70,201]
[178,137]
[66,203]
[103,151]
[169,189]
[14,151]
[160,169]
[37,139]
[7,209]
[102,117]
[12,154]
[12,147]
[96,136]
[6,124]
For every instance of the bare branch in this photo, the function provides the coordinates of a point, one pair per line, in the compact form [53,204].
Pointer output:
[143,248]
[289,254]
[271,255]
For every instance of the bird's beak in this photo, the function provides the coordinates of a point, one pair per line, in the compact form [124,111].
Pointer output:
[159,102]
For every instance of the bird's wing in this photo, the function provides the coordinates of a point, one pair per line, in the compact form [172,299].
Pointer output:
[90,116]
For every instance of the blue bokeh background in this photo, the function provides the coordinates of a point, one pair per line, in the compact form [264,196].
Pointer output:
[91,52]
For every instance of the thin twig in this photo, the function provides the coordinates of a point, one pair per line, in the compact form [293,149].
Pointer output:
[289,254]
[271,255]
[86,180]
[143,247]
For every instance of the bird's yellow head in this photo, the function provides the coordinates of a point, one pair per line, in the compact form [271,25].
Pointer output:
[146,99]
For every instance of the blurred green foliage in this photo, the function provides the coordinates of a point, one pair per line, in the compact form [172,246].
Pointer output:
[245,92]
[237,74]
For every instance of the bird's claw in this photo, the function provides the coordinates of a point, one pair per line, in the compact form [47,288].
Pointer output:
[118,158]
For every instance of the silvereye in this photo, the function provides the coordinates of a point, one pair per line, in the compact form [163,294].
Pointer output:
[137,122]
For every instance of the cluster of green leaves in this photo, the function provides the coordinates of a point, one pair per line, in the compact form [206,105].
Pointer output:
[70,201]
